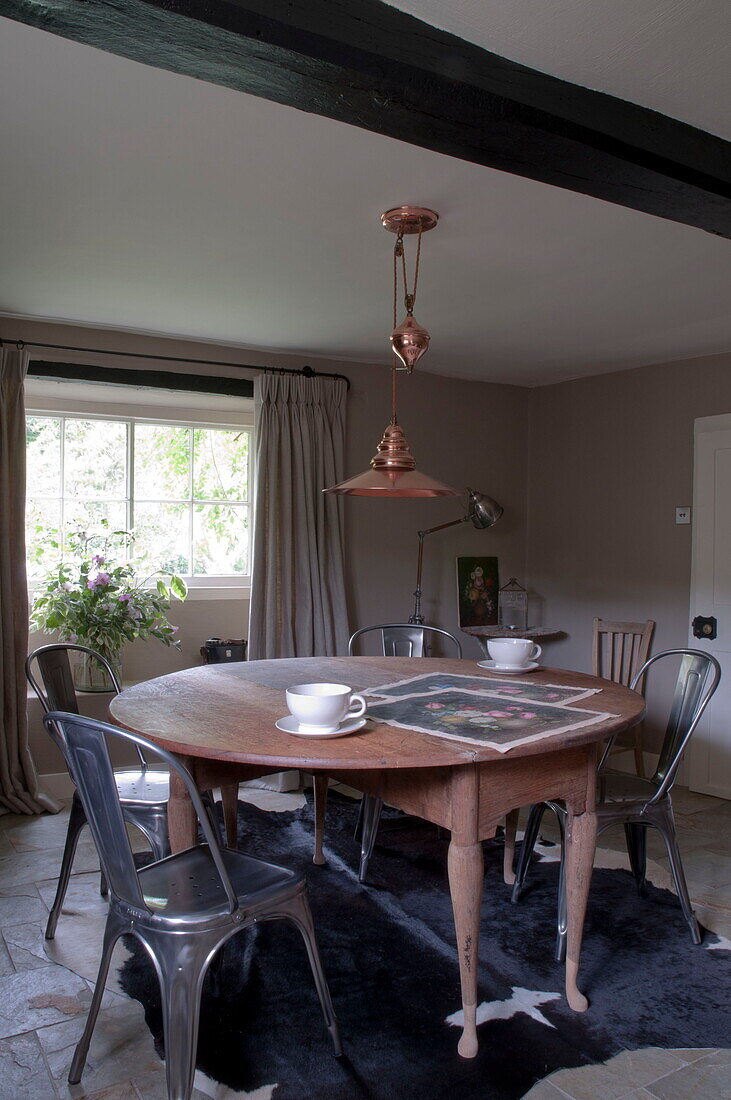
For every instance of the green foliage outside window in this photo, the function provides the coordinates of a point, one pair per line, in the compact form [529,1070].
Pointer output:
[181,488]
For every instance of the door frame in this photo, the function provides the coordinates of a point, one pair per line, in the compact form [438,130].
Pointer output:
[703,426]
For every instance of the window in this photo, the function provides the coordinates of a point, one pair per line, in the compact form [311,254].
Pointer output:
[180,486]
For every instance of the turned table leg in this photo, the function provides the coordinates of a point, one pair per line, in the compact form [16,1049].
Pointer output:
[182,819]
[466,872]
[580,851]
[466,869]
[320,784]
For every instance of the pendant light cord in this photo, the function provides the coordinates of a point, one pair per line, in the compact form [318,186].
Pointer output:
[409,300]
[398,249]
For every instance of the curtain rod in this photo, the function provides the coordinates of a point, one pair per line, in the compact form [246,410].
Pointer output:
[306,372]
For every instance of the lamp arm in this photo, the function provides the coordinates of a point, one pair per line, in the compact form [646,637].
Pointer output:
[441,526]
[417,618]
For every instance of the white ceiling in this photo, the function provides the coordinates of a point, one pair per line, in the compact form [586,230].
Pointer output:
[138,198]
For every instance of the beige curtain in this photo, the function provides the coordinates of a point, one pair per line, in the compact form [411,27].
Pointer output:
[19,791]
[298,592]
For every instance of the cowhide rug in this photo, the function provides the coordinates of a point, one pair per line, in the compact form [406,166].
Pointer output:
[390,959]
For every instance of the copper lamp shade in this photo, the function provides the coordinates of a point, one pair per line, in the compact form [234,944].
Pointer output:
[374,483]
[393,473]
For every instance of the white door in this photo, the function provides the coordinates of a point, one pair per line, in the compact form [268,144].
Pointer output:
[709,763]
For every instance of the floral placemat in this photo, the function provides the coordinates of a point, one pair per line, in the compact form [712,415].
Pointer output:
[481,718]
[513,688]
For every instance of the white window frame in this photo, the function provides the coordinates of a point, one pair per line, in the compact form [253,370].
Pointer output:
[104,401]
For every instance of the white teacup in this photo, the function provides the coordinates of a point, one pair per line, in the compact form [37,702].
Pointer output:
[321,708]
[513,652]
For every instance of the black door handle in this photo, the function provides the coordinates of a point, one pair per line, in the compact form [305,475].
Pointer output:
[704,626]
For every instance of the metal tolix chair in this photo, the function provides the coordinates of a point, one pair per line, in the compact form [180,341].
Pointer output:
[143,791]
[183,908]
[405,639]
[634,802]
[397,640]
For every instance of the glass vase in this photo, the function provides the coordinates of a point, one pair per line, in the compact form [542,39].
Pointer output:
[90,675]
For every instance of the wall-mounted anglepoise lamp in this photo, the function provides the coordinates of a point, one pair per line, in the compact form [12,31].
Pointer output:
[483,512]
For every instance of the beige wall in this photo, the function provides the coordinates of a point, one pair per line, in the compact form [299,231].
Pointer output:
[465,433]
[611,458]
[589,473]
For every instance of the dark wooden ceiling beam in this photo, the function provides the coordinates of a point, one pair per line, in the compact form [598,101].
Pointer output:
[370,65]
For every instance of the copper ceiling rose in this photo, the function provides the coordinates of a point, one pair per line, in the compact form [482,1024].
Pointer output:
[393,470]
[409,219]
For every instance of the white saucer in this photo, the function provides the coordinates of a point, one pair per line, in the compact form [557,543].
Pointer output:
[291,725]
[508,670]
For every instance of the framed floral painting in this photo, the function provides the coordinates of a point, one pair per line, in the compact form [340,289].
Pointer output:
[477,591]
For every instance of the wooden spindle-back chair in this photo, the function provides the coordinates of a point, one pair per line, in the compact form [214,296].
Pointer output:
[619,649]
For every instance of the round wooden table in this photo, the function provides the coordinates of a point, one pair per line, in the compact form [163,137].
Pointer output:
[219,719]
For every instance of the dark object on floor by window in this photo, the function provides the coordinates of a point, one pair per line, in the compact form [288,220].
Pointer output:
[218,651]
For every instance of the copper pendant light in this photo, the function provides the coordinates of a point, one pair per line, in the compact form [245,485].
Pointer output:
[393,470]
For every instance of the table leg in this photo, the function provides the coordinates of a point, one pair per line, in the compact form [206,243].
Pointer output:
[230,802]
[580,851]
[511,829]
[320,784]
[182,819]
[466,872]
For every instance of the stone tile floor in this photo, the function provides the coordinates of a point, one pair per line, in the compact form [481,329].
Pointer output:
[45,988]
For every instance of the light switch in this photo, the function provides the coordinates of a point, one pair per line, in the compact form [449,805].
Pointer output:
[682,515]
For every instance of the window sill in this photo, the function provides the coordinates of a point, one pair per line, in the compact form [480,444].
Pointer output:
[232,592]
